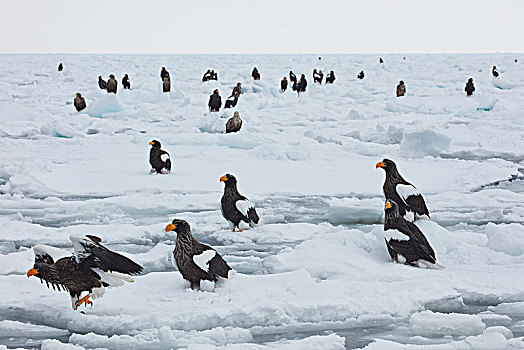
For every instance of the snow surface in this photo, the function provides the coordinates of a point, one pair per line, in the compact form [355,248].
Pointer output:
[317,275]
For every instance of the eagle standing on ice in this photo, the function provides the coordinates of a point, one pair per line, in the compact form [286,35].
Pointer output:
[411,204]
[196,262]
[159,159]
[236,208]
[404,240]
[90,269]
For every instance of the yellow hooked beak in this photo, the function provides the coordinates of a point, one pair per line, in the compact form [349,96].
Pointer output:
[151,143]
[32,272]
[223,178]
[387,205]
[380,165]
[170,227]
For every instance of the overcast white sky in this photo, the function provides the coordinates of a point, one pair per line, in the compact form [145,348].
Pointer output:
[261,26]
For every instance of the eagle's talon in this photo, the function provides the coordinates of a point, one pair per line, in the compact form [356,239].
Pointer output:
[85,300]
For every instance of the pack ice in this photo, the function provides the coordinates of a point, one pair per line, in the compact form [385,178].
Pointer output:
[317,274]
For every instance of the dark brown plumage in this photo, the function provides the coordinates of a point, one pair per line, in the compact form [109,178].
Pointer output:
[255,74]
[237,209]
[410,202]
[159,159]
[401,89]
[292,77]
[404,240]
[79,102]
[237,90]
[330,78]
[166,85]
[194,260]
[234,123]
[164,74]
[125,82]
[91,267]
[112,84]
[215,101]
[102,83]
[283,84]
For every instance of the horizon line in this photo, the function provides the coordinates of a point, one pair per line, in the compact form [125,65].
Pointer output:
[265,53]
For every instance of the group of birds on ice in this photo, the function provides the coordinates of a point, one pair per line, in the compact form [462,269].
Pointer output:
[91,268]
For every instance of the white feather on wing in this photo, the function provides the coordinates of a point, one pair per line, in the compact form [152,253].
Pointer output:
[79,242]
[404,191]
[395,235]
[202,259]
[243,206]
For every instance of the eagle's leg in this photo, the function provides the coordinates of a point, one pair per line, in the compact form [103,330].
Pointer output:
[74,301]
[85,300]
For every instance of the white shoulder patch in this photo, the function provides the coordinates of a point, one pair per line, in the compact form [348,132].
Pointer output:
[202,260]
[78,244]
[243,206]
[164,157]
[395,235]
[404,191]
[55,253]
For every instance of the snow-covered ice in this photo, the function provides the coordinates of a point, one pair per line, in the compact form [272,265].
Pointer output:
[317,274]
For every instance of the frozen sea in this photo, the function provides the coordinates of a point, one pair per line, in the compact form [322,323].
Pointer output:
[317,274]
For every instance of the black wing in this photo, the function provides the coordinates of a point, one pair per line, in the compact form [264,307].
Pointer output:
[96,255]
[422,242]
[419,245]
[410,250]
[417,204]
[217,265]
[252,215]
[108,260]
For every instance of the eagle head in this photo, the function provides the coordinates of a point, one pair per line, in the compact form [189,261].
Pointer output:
[179,226]
[155,143]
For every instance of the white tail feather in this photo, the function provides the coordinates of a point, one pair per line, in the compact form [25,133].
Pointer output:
[427,264]
[97,293]
[231,273]
[113,279]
